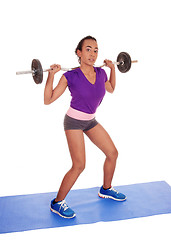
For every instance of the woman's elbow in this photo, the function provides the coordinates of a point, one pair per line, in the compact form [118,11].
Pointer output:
[47,102]
[110,90]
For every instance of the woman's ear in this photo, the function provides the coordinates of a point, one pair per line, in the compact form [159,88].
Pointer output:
[79,53]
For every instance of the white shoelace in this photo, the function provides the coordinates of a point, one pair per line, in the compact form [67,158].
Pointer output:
[112,188]
[63,205]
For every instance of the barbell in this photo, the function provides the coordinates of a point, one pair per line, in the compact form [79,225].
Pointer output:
[123,63]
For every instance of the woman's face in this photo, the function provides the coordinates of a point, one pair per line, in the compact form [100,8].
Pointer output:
[89,52]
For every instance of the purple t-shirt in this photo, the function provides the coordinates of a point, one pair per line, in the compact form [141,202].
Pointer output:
[86,97]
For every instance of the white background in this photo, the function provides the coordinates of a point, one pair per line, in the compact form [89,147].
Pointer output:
[34,156]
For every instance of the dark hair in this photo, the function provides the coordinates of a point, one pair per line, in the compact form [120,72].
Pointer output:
[80,45]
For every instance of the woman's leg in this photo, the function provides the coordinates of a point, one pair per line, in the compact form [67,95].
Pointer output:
[102,140]
[76,146]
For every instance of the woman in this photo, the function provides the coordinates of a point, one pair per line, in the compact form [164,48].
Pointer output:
[87,85]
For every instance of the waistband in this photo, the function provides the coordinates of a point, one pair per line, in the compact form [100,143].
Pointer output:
[79,115]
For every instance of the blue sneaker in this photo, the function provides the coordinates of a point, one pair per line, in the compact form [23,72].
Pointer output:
[62,209]
[111,193]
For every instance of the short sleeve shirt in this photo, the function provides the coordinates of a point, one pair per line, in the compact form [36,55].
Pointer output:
[86,97]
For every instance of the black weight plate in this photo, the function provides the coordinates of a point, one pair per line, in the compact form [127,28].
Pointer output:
[36,66]
[125,62]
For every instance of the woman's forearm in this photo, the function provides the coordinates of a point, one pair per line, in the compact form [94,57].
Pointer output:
[112,78]
[48,88]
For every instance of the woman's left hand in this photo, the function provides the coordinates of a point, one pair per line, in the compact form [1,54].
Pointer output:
[109,63]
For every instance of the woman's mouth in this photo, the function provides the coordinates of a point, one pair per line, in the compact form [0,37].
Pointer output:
[91,60]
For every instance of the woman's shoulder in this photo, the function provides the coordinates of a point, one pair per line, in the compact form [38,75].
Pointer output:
[71,76]
[101,73]
[100,70]
[71,72]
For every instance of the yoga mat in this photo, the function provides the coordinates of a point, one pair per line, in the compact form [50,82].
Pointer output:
[28,212]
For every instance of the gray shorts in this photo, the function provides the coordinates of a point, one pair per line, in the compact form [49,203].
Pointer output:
[84,125]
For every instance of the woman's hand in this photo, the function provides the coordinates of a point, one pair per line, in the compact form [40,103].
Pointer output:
[54,68]
[109,63]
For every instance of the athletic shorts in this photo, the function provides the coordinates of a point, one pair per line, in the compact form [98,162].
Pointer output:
[84,125]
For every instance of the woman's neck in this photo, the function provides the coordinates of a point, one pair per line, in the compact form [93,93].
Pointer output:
[87,68]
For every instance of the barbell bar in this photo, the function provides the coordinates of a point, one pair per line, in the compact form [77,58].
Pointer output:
[123,63]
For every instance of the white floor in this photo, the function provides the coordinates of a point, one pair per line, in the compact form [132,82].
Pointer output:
[156,227]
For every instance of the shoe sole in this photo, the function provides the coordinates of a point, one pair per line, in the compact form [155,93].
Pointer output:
[54,211]
[107,196]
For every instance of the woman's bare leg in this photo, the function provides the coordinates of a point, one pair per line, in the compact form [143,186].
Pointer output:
[76,146]
[102,140]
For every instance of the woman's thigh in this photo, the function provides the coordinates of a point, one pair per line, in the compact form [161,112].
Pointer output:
[99,136]
[76,144]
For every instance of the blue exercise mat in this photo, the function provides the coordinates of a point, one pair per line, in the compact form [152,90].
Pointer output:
[28,212]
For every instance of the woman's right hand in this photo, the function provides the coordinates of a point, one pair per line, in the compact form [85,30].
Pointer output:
[54,68]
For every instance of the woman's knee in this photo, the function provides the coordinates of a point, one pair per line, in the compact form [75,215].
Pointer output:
[79,166]
[112,154]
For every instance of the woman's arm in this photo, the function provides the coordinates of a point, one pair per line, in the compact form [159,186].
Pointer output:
[50,94]
[110,85]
